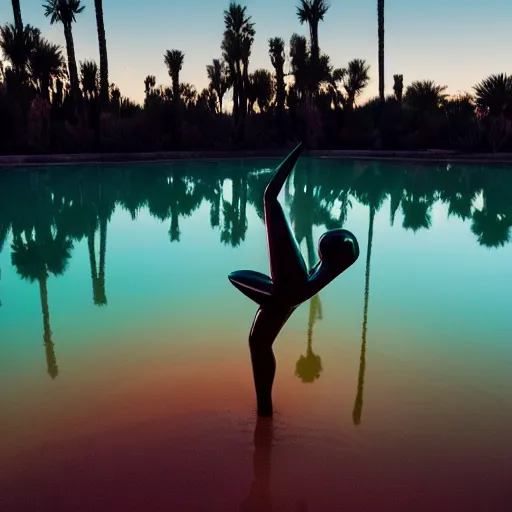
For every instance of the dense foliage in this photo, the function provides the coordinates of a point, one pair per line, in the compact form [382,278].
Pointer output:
[49,103]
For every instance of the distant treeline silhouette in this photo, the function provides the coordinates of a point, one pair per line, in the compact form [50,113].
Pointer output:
[52,104]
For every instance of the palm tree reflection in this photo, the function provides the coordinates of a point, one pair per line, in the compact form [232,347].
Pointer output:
[309,367]
[34,259]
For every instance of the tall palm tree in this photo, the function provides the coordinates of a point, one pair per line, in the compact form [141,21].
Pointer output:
[174,61]
[65,11]
[380,30]
[46,64]
[102,41]
[277,57]
[18,22]
[313,12]
[218,76]
[299,60]
[236,46]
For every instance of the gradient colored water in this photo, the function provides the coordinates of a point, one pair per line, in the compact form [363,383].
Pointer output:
[125,379]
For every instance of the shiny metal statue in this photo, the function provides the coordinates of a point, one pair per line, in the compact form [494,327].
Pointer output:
[290,283]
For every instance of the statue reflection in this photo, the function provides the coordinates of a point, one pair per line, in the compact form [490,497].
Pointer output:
[260,498]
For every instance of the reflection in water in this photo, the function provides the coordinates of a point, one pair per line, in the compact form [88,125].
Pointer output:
[35,258]
[44,212]
[358,405]
[259,497]
[309,367]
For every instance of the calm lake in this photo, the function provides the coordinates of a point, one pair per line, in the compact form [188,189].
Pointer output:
[125,377]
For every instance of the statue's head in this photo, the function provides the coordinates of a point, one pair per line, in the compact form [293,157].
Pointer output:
[338,249]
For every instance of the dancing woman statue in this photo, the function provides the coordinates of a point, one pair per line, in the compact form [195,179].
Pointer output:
[290,283]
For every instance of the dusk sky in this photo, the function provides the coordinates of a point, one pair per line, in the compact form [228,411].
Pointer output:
[454,43]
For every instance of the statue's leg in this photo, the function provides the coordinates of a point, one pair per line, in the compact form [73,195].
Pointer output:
[265,328]
[286,262]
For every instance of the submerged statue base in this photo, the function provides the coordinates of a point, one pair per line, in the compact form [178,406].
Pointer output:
[290,285]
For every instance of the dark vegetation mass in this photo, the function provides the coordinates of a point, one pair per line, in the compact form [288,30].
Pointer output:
[49,103]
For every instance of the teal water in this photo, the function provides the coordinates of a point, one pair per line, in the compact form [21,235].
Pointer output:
[123,352]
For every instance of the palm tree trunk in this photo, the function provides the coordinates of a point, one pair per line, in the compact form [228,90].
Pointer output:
[243,202]
[73,70]
[174,229]
[92,262]
[18,22]
[176,87]
[358,405]
[380,21]
[51,360]
[103,251]
[98,4]
[315,49]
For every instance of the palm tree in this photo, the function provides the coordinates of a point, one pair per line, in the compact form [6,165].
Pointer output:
[380,30]
[149,84]
[424,95]
[46,64]
[18,22]
[174,61]
[17,46]
[104,89]
[398,87]
[218,75]
[494,95]
[65,11]
[188,94]
[236,46]
[261,89]
[313,12]
[277,57]
[353,79]
[299,60]
[89,78]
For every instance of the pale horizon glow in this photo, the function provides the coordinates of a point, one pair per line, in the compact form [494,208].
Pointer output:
[454,44]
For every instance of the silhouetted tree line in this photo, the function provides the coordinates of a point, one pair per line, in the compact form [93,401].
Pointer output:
[49,103]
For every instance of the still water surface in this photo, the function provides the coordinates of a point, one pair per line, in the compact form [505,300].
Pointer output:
[125,378]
